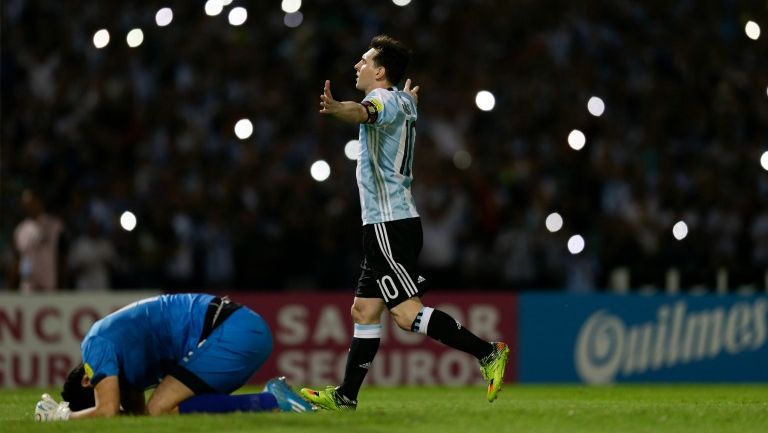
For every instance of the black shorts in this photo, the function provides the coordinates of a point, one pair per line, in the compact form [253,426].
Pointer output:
[389,265]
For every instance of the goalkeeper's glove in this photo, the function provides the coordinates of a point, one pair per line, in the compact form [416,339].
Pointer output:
[48,410]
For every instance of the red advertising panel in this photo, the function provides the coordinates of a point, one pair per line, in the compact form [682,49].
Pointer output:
[313,331]
[40,337]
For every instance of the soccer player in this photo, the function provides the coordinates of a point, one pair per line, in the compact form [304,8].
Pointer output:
[187,345]
[392,234]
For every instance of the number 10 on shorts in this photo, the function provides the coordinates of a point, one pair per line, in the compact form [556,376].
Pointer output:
[387,288]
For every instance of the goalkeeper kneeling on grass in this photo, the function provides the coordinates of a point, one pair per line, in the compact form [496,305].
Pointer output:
[195,348]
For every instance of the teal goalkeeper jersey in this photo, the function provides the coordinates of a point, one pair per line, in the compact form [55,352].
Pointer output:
[384,168]
[143,341]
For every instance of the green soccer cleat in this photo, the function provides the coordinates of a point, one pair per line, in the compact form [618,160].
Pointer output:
[492,368]
[328,399]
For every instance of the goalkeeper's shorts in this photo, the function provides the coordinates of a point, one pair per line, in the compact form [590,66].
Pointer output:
[228,357]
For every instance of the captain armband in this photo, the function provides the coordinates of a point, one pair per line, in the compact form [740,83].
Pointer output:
[371,110]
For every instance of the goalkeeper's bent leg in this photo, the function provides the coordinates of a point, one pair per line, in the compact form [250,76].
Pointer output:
[221,403]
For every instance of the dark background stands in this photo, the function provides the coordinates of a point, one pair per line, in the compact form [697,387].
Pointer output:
[150,130]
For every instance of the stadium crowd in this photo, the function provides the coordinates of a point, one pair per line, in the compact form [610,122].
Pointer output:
[150,129]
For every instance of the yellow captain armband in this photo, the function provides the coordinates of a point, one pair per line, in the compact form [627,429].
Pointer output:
[372,107]
[88,370]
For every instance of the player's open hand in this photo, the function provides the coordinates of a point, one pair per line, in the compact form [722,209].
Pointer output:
[328,105]
[413,92]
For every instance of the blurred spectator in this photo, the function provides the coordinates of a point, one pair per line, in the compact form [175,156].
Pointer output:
[38,241]
[218,252]
[442,212]
[90,259]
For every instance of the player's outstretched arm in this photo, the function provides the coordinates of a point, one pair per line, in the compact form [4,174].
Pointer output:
[348,111]
[413,92]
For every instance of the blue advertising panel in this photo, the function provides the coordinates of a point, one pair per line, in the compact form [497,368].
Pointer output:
[601,339]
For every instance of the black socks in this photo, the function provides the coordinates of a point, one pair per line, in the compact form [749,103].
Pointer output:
[434,323]
[361,354]
[444,329]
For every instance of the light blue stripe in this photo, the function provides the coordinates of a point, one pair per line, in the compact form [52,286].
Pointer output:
[367,327]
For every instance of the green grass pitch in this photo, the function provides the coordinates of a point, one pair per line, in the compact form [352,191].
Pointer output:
[520,409]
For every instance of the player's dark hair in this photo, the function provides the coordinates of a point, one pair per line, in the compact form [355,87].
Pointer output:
[78,396]
[393,55]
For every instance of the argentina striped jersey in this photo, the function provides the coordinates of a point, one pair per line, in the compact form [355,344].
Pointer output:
[385,163]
